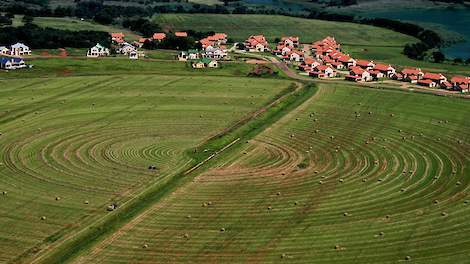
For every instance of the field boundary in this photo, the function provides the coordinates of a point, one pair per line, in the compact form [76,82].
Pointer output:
[84,239]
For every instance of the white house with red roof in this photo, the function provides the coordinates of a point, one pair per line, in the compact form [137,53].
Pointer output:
[117,37]
[346,60]
[412,72]
[322,71]
[386,69]
[438,78]
[291,41]
[428,83]
[365,64]
[460,83]
[358,74]
[296,56]
[256,43]
[308,64]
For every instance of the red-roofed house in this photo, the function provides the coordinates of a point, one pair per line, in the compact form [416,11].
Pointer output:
[159,36]
[459,82]
[357,74]
[308,64]
[387,70]
[256,43]
[291,41]
[322,71]
[427,82]
[446,85]
[181,34]
[117,37]
[435,77]
[376,74]
[296,55]
[412,72]
[365,64]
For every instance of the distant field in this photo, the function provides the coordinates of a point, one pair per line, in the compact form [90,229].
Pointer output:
[74,24]
[353,176]
[239,27]
[92,138]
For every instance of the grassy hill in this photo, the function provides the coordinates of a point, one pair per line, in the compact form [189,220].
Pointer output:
[352,176]
[239,27]
[76,136]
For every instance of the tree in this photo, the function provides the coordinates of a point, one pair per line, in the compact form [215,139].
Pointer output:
[458,60]
[27,19]
[5,21]
[438,56]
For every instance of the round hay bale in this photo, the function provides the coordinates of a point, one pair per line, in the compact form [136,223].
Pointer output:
[458,183]
[270,207]
[292,135]
[204,205]
[392,115]
[381,234]
[186,235]
[283,255]
[315,119]
[345,214]
[188,216]
[86,202]
[444,214]
[341,180]
[316,172]
[438,139]
[316,130]
[399,130]
[320,182]
[296,203]
[57,198]
[403,189]
[278,193]
[4,193]
[297,119]
[408,258]
[332,137]
[200,116]
[43,218]
[364,180]
[370,113]
[436,201]
[222,229]
[337,247]
[145,246]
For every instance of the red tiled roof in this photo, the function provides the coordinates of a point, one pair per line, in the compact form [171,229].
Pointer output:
[427,81]
[159,36]
[357,70]
[181,34]
[364,63]
[382,67]
[411,71]
[460,80]
[117,35]
[433,76]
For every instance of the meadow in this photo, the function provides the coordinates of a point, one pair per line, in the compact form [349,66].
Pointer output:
[71,146]
[353,175]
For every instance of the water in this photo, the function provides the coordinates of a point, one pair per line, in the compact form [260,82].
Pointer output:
[452,20]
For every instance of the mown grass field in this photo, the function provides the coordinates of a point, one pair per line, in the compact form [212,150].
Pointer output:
[353,176]
[72,145]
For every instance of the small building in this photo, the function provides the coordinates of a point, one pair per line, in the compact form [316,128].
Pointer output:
[134,55]
[387,70]
[412,72]
[460,83]
[97,51]
[365,64]
[322,71]
[19,49]
[159,36]
[291,41]
[215,53]
[204,63]
[296,56]
[427,83]
[256,43]
[117,37]
[375,75]
[181,34]
[358,74]
[435,77]
[4,50]
[12,63]
[127,48]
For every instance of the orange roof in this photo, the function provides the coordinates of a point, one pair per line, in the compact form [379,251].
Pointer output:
[364,63]
[159,36]
[460,80]
[322,68]
[181,34]
[220,36]
[433,76]
[117,35]
[357,70]
[382,67]
[425,81]
[411,71]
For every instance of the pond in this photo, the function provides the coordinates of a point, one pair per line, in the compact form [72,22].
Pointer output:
[456,20]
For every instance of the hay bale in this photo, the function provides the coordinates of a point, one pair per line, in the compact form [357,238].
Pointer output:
[407,258]
[381,234]
[204,205]
[403,189]
[341,180]
[364,180]
[436,201]
[458,183]
[296,203]
[283,255]
[444,214]
[278,193]
[270,208]
[337,247]
[399,130]
[345,214]
[222,229]
[188,216]
[186,235]
[145,246]
[4,193]
[43,218]
[57,198]
[392,115]
[86,202]
[320,182]
[370,113]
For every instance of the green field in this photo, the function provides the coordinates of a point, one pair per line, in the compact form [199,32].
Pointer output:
[323,184]
[239,27]
[91,138]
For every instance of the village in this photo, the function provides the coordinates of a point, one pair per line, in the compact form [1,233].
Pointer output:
[322,59]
